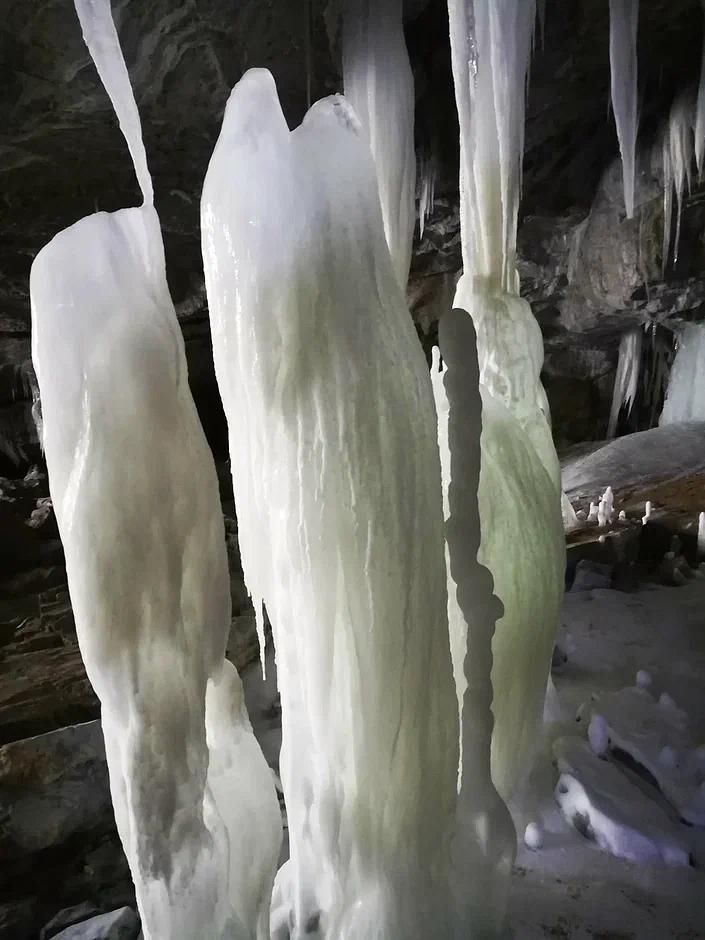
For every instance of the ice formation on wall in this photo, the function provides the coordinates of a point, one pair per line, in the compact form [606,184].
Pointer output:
[677,152]
[624,17]
[522,534]
[685,397]
[136,499]
[337,486]
[486,840]
[626,380]
[379,85]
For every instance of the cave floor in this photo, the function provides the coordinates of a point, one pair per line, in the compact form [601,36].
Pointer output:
[570,888]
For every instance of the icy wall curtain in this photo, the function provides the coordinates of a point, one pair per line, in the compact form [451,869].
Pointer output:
[685,397]
[136,498]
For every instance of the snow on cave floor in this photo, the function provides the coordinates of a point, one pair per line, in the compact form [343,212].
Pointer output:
[570,888]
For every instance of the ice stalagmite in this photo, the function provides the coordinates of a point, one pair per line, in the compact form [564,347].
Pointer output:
[136,498]
[379,85]
[626,380]
[522,532]
[484,844]
[624,18]
[337,487]
[685,396]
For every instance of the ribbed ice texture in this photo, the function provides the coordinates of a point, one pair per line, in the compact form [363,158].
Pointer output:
[626,380]
[486,843]
[426,190]
[337,486]
[685,397]
[136,499]
[379,85]
[519,495]
[624,19]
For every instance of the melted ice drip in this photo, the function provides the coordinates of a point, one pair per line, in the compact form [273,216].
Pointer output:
[380,86]
[337,486]
[522,535]
[685,398]
[626,380]
[624,17]
[103,44]
[194,800]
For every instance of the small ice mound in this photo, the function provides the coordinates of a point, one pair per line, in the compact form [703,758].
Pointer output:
[622,516]
[606,807]
[644,679]
[581,515]
[533,836]
[648,509]
[593,514]
[598,735]
[655,736]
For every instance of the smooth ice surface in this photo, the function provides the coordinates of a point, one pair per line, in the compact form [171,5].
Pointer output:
[608,808]
[685,396]
[337,486]
[626,380]
[520,505]
[624,18]
[486,843]
[136,498]
[380,86]
[656,735]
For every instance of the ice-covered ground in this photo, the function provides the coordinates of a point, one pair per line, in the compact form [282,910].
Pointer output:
[570,888]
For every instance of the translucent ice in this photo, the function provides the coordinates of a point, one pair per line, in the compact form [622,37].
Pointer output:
[379,85]
[135,493]
[624,17]
[685,396]
[626,380]
[522,543]
[677,152]
[337,486]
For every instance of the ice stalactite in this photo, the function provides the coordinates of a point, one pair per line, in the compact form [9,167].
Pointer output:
[380,86]
[685,396]
[485,840]
[678,147]
[136,498]
[520,507]
[700,109]
[426,190]
[626,380]
[624,17]
[337,487]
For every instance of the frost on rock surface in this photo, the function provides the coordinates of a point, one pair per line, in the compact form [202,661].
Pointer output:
[624,18]
[194,802]
[608,808]
[655,734]
[380,87]
[685,396]
[337,487]
[523,543]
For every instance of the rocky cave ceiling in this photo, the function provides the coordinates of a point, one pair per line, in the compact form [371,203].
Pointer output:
[63,157]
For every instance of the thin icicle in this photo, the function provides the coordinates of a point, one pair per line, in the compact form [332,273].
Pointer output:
[624,16]
[380,86]
[427,190]
[626,380]
[678,149]
[103,44]
[700,109]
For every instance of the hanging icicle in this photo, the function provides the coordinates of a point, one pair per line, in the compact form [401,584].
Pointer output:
[624,16]
[626,380]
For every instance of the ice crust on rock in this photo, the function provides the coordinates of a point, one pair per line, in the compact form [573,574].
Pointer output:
[655,734]
[604,805]
[624,18]
[194,804]
[380,86]
[336,477]
[685,397]
[523,542]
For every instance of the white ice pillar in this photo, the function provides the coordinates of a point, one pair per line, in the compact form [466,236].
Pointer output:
[337,487]
[136,499]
